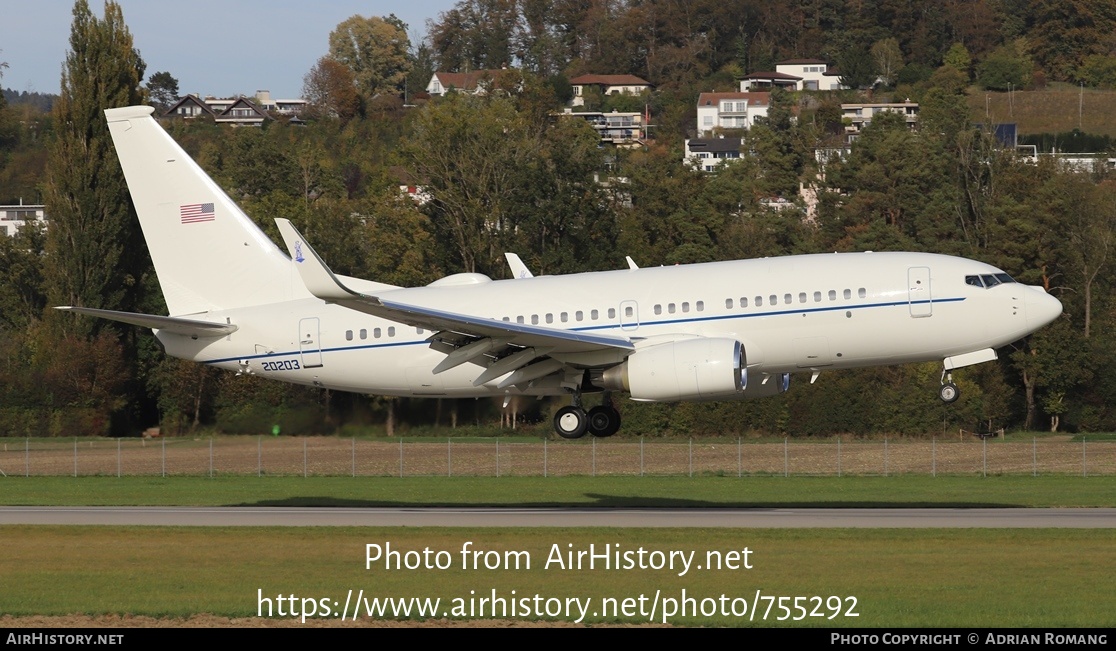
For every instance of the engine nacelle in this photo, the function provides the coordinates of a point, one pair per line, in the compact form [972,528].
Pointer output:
[755,387]
[700,368]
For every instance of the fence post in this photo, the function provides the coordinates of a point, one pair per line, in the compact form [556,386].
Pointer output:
[27,457]
[354,457]
[885,457]
[118,458]
[211,458]
[1034,456]
[786,458]
[838,456]
[739,465]
[594,470]
[259,455]
[497,457]
[164,458]
[641,455]
[75,456]
[449,457]
[401,456]
[934,456]
[983,457]
[691,456]
[1084,472]
[544,457]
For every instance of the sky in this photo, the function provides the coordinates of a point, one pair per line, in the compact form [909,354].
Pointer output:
[213,47]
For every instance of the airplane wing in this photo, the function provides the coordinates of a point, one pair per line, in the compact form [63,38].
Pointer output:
[177,325]
[480,335]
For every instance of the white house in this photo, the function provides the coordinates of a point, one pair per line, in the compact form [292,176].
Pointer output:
[795,74]
[707,154]
[730,110]
[15,216]
[474,83]
[608,85]
[615,128]
[858,115]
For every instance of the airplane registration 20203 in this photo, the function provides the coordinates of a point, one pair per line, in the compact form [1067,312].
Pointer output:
[714,331]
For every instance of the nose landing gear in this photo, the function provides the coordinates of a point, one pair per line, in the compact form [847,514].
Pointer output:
[948,392]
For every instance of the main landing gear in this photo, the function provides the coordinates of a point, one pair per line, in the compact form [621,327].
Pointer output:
[573,422]
[948,391]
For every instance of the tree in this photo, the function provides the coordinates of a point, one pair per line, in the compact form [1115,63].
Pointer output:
[376,50]
[888,59]
[856,68]
[163,90]
[959,59]
[95,251]
[330,87]
[1005,68]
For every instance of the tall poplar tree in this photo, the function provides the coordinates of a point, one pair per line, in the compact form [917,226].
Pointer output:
[96,252]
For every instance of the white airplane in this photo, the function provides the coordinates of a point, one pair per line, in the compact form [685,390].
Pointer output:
[715,331]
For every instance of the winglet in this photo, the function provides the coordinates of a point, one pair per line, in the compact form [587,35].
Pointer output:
[631,263]
[317,277]
[518,269]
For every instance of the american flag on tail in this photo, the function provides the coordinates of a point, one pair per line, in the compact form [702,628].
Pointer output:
[196,212]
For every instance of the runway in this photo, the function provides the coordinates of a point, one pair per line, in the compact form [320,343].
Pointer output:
[775,518]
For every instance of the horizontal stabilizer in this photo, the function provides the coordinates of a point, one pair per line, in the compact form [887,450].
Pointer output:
[176,325]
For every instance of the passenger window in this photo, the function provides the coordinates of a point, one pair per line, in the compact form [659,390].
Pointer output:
[508,319]
[594,315]
[759,301]
[728,304]
[848,293]
[549,317]
[519,319]
[743,301]
[773,300]
[700,305]
[534,319]
[348,335]
[628,311]
[418,331]
[832,295]
[685,307]
[802,297]
[391,331]
[364,333]
[861,292]
[565,317]
[659,308]
[376,333]
[579,315]
[670,308]
[817,297]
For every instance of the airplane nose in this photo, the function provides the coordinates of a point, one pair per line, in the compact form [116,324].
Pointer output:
[1042,308]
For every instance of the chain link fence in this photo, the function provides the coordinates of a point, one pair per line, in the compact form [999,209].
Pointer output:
[326,456]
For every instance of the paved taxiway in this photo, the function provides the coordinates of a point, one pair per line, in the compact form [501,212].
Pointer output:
[778,518]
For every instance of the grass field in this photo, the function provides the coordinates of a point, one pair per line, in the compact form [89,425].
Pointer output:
[892,578]
[705,491]
[889,577]
[1051,110]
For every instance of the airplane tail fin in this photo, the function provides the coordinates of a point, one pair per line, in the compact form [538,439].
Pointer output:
[207,253]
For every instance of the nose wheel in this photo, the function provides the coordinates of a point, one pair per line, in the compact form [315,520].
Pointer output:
[948,392]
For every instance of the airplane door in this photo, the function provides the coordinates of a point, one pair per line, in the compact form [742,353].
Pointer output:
[629,315]
[309,342]
[918,292]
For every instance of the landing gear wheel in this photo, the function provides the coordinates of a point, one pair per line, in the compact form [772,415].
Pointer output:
[571,422]
[603,421]
[949,392]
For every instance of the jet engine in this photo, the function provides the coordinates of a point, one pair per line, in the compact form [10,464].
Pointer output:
[700,368]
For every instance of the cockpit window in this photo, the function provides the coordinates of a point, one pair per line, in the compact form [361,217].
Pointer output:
[988,280]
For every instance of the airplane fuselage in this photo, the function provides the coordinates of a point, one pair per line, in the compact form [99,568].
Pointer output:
[792,314]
